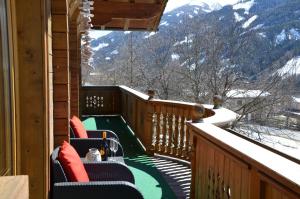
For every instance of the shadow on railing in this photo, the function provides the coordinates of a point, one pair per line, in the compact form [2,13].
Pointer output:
[223,165]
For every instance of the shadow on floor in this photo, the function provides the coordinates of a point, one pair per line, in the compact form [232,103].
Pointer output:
[148,179]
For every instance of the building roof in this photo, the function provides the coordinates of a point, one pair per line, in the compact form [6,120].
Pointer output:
[240,93]
[127,14]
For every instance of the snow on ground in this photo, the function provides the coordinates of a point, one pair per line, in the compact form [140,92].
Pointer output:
[213,4]
[191,16]
[280,37]
[115,52]
[240,93]
[292,67]
[179,13]
[150,35]
[127,32]
[107,58]
[186,40]
[101,45]
[244,5]
[294,34]
[165,23]
[284,140]
[238,17]
[95,34]
[262,34]
[249,21]
[175,56]
[257,27]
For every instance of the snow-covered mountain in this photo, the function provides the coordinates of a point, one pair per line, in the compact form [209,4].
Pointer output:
[271,26]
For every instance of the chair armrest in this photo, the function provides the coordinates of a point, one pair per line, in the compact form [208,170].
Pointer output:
[96,190]
[98,134]
[83,145]
[108,171]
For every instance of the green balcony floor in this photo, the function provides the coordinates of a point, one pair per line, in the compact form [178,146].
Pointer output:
[147,178]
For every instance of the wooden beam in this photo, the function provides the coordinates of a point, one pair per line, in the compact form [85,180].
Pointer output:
[33,94]
[109,9]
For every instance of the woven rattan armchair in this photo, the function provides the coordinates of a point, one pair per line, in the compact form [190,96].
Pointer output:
[96,134]
[107,180]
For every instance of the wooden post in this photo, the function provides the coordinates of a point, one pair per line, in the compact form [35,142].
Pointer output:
[198,112]
[33,93]
[60,45]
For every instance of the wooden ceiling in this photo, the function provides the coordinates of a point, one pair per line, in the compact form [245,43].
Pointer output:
[127,14]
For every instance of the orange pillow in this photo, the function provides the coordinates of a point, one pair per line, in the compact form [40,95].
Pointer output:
[78,127]
[71,163]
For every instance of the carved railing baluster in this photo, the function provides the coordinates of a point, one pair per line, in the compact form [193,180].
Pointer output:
[170,132]
[157,129]
[176,135]
[181,136]
[185,140]
[153,128]
[160,123]
[164,131]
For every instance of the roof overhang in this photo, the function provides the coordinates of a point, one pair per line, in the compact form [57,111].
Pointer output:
[127,14]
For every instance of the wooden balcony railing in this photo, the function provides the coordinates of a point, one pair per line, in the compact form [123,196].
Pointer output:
[223,164]
[227,166]
[159,124]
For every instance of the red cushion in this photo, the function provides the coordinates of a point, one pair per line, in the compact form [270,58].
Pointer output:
[78,127]
[71,163]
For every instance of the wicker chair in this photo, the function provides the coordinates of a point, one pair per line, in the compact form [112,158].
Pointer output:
[75,122]
[107,180]
[96,134]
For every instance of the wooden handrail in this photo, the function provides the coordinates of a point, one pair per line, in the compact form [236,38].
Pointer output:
[159,124]
[136,93]
[255,172]
[223,165]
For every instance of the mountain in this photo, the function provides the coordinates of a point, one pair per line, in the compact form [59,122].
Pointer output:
[271,28]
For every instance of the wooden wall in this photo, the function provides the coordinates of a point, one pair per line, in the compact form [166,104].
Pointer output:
[33,93]
[61,83]
[74,63]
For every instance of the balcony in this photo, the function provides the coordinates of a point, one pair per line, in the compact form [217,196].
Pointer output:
[205,160]
[174,144]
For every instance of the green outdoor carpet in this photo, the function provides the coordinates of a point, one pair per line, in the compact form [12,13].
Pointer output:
[147,178]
